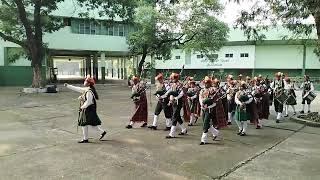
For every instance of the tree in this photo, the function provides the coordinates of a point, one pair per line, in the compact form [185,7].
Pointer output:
[294,15]
[24,22]
[185,24]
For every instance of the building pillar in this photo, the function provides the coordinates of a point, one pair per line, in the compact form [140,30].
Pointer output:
[88,65]
[304,60]
[118,67]
[95,67]
[103,66]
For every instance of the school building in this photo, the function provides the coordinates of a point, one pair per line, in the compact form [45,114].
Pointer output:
[100,48]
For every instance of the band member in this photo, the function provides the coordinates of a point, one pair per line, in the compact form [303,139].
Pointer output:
[193,101]
[278,87]
[175,94]
[162,103]
[289,89]
[220,111]
[231,92]
[88,108]
[207,102]
[307,87]
[140,101]
[240,78]
[261,99]
[242,99]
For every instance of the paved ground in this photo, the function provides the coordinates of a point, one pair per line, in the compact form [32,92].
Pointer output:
[38,141]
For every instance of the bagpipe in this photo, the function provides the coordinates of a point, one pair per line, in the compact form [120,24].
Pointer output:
[214,98]
[136,95]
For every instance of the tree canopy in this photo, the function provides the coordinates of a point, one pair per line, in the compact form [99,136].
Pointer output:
[302,17]
[191,25]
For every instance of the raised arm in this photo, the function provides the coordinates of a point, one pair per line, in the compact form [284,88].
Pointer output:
[75,88]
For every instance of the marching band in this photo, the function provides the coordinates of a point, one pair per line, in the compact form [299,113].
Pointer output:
[219,105]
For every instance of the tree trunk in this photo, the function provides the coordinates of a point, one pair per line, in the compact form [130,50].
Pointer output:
[141,63]
[36,82]
[317,22]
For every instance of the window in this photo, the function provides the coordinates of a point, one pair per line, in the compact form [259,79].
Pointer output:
[121,30]
[200,56]
[110,31]
[81,28]
[116,30]
[244,55]
[178,57]
[87,28]
[229,55]
[67,21]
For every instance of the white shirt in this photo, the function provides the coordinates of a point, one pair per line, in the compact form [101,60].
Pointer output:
[85,91]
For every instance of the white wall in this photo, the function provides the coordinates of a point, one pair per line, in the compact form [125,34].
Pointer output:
[221,63]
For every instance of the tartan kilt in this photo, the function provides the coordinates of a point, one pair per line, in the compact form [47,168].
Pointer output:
[219,117]
[186,109]
[265,107]
[252,112]
[141,110]
[241,114]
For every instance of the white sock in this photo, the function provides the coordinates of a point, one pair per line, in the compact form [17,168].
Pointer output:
[98,128]
[168,122]
[303,107]
[309,107]
[239,125]
[279,116]
[85,132]
[215,132]
[192,118]
[172,131]
[287,107]
[259,123]
[229,117]
[204,137]
[294,109]
[131,123]
[155,120]
[245,125]
[183,129]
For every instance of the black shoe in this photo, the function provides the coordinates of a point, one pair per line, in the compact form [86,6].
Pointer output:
[129,127]
[181,133]
[167,129]
[190,124]
[239,133]
[103,134]
[229,123]
[202,143]
[243,134]
[154,128]
[286,115]
[277,121]
[169,137]
[196,121]
[150,127]
[309,111]
[258,127]
[294,113]
[144,125]
[301,112]
[84,141]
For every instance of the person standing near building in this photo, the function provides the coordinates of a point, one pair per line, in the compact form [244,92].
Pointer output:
[175,94]
[261,100]
[140,101]
[88,108]
[231,92]
[193,101]
[242,99]
[307,87]
[289,89]
[278,88]
[208,104]
[162,104]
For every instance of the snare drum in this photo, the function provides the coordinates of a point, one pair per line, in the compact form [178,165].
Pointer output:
[281,98]
[310,96]
[291,100]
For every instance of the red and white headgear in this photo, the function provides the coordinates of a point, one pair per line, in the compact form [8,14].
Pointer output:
[90,80]
[174,76]
[159,77]
[135,79]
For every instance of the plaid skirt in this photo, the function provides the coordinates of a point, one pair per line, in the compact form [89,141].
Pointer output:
[141,110]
